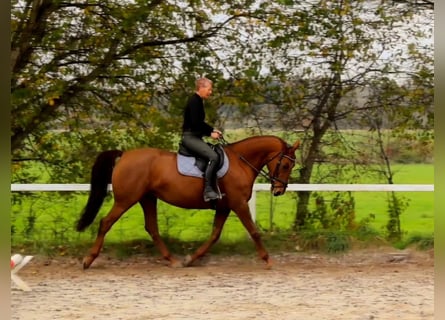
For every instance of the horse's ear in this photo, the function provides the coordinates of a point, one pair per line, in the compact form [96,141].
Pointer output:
[296,145]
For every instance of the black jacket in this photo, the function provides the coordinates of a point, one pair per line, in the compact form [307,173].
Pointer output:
[194,117]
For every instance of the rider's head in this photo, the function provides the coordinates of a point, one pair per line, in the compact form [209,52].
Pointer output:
[204,87]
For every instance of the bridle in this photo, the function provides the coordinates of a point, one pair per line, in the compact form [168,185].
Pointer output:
[272,178]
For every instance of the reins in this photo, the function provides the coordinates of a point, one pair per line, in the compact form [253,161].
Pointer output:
[262,172]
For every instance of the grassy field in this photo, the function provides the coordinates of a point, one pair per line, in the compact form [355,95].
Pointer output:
[51,217]
[418,217]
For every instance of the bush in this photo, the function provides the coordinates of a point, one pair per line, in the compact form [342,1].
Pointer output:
[409,150]
[422,242]
[323,240]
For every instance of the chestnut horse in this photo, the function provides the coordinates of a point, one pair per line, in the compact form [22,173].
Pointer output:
[147,174]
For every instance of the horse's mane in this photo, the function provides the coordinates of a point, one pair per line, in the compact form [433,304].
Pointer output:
[253,138]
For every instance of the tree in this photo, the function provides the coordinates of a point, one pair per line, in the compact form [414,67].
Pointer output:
[86,70]
[324,53]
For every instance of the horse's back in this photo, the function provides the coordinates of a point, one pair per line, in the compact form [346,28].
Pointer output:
[143,159]
[147,153]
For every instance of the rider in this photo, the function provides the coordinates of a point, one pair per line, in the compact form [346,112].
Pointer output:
[194,128]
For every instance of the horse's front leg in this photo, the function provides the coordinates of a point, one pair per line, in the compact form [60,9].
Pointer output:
[220,218]
[243,213]
[148,204]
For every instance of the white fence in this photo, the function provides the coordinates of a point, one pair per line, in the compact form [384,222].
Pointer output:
[339,187]
[256,187]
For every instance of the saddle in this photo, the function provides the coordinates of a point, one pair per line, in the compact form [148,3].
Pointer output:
[191,165]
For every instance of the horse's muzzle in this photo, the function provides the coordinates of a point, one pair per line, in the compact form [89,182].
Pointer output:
[278,191]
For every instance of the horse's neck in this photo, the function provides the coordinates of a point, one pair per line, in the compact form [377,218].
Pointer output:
[258,150]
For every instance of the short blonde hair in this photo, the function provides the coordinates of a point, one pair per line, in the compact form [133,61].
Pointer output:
[203,82]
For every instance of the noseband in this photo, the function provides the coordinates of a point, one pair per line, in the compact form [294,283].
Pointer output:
[276,171]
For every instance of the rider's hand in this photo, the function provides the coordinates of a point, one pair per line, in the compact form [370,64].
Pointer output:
[216,134]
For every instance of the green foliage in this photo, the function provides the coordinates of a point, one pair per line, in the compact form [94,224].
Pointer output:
[68,156]
[323,240]
[329,225]
[337,242]
[339,214]
[396,206]
[411,149]
[364,230]
[422,242]
[94,68]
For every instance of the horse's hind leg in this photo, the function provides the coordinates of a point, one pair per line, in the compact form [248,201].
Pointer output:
[105,225]
[148,204]
[218,224]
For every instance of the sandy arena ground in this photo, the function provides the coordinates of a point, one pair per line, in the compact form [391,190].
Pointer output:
[366,284]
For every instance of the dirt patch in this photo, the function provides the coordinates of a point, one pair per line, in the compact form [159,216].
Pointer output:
[364,284]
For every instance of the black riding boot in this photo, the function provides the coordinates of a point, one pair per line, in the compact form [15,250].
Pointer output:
[209,192]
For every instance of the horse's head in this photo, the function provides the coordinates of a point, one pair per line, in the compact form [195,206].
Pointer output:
[280,168]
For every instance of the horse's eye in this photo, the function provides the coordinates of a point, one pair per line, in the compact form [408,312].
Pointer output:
[286,166]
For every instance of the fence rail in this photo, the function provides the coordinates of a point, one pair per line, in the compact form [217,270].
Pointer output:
[256,187]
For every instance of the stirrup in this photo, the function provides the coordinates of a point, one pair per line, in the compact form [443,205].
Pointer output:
[211,195]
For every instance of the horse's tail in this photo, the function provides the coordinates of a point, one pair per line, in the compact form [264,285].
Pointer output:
[100,178]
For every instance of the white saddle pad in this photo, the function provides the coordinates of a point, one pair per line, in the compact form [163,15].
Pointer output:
[186,166]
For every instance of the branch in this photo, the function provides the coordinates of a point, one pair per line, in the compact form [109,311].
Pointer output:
[428,4]
[24,43]
[206,34]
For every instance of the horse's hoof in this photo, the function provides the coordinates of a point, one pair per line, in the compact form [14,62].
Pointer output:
[187,261]
[86,262]
[269,264]
[176,264]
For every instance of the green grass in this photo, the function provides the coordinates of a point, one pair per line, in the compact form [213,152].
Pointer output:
[55,215]
[419,215]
